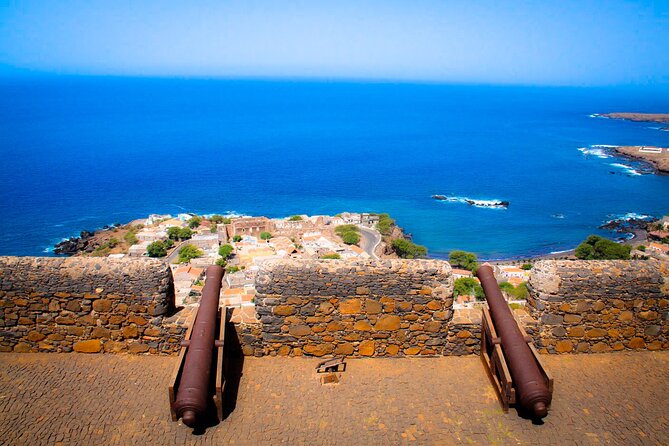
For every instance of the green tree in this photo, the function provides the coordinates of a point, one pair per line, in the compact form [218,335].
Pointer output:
[194,222]
[600,248]
[185,233]
[225,251]
[173,233]
[351,238]
[295,218]
[408,249]
[156,249]
[526,266]
[463,259]
[468,286]
[265,235]
[222,262]
[641,248]
[385,224]
[189,252]
[333,256]
[342,229]
[237,238]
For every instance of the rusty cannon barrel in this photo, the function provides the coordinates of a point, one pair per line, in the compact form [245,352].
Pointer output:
[193,391]
[531,388]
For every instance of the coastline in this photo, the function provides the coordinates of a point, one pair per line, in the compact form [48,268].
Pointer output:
[659,161]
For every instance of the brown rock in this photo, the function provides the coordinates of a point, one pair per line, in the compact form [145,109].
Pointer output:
[600,347]
[564,346]
[598,306]
[87,320]
[90,346]
[114,346]
[335,326]
[55,337]
[388,322]
[434,305]
[572,318]
[326,308]
[318,349]
[62,294]
[372,306]
[138,347]
[25,321]
[625,316]
[463,334]
[284,350]
[116,319]
[64,320]
[22,347]
[575,332]
[100,332]
[648,315]
[102,305]
[35,336]
[350,306]
[595,333]
[362,326]
[139,320]
[618,346]
[637,343]
[392,349]
[344,349]
[366,348]
[294,300]
[403,306]
[152,331]
[432,326]
[75,331]
[54,305]
[129,331]
[655,345]
[412,351]
[362,290]
[73,305]
[284,310]
[354,336]
[299,330]
[318,328]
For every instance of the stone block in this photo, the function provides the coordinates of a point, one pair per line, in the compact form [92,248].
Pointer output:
[372,307]
[299,330]
[350,306]
[137,347]
[366,348]
[284,310]
[102,305]
[318,349]
[89,346]
[388,322]
[564,346]
[22,347]
[35,336]
[344,349]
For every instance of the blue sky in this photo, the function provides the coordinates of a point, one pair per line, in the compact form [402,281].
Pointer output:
[500,42]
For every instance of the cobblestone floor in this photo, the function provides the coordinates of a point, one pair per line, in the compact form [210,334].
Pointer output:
[620,398]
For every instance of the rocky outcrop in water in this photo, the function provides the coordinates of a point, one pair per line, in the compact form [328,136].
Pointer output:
[74,245]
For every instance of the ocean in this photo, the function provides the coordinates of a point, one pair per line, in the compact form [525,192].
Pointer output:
[82,152]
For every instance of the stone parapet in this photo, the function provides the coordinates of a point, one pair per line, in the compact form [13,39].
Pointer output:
[361,308]
[599,306]
[87,305]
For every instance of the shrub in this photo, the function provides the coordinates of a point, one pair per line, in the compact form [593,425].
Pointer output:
[351,238]
[156,249]
[295,218]
[221,262]
[407,249]
[265,235]
[237,238]
[464,259]
[385,224]
[189,252]
[232,269]
[600,248]
[194,222]
[219,219]
[333,256]
[130,237]
[517,292]
[641,248]
[468,286]
[225,251]
[526,266]
[176,233]
[213,229]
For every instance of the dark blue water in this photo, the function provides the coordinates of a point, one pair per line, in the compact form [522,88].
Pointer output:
[79,153]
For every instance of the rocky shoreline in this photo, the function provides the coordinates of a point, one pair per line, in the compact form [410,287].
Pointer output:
[659,161]
[637,117]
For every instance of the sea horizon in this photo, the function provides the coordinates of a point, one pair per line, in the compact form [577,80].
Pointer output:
[82,152]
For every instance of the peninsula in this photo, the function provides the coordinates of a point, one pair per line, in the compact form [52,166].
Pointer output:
[657,156]
[638,117]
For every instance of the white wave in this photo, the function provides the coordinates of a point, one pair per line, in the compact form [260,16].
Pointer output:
[594,152]
[558,216]
[561,252]
[491,204]
[635,216]
[630,170]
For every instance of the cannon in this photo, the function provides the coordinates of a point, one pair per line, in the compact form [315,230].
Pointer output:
[530,385]
[192,379]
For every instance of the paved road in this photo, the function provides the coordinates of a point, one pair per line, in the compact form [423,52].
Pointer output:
[78,399]
[369,240]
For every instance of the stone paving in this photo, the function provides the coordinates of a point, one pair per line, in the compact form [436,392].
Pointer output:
[618,398]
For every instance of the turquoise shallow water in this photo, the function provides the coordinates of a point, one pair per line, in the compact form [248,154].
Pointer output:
[79,153]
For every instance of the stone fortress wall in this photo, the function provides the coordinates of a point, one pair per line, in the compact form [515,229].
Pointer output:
[87,304]
[328,307]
